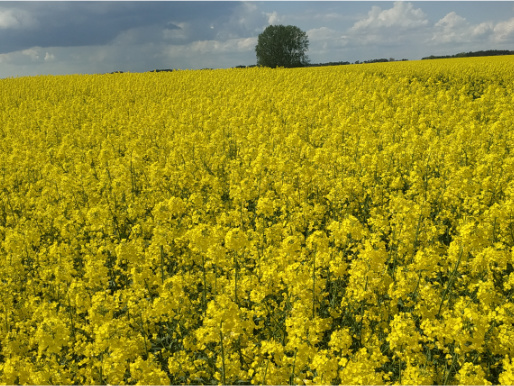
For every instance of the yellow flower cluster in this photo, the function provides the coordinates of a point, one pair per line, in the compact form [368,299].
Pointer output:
[350,224]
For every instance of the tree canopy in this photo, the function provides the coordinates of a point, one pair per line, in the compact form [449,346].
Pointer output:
[282,46]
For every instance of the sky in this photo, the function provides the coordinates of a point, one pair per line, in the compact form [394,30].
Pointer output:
[78,37]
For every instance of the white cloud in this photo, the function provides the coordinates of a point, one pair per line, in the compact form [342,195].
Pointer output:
[216,46]
[49,57]
[273,18]
[403,15]
[394,27]
[246,44]
[322,33]
[32,53]
[211,53]
[451,21]
[16,19]
[452,29]
[456,29]
[8,20]
[504,31]
[325,39]
[482,29]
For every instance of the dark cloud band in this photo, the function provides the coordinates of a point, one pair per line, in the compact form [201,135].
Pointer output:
[71,24]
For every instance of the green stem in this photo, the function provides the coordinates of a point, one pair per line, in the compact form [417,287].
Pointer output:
[236,275]
[415,245]
[215,279]
[314,286]
[143,332]
[450,282]
[265,372]
[291,381]
[450,369]
[362,313]
[162,264]
[400,369]
[223,379]
[204,289]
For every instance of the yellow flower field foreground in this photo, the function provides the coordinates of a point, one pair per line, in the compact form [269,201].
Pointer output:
[349,224]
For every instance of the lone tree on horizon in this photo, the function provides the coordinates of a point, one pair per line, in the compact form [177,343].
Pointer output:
[282,46]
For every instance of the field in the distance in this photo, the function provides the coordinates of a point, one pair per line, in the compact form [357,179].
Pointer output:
[350,224]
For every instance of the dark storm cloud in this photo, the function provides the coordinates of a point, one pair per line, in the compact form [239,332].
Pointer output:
[71,24]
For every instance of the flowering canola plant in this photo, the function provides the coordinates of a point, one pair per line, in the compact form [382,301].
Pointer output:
[332,225]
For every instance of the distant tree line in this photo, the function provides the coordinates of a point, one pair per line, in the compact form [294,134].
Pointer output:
[162,70]
[472,54]
[306,65]
[156,70]
[382,60]
[328,64]
[340,63]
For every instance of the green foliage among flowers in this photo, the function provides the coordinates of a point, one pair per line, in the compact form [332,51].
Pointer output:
[332,225]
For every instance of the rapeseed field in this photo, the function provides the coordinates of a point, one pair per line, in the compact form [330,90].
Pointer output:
[331,225]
